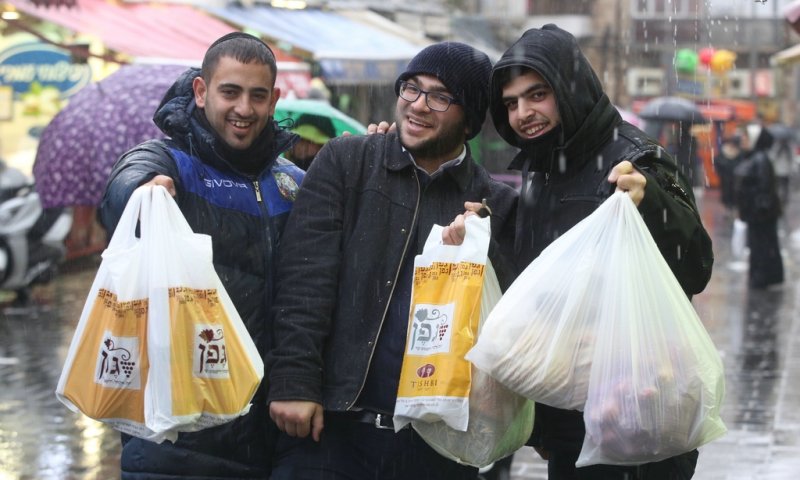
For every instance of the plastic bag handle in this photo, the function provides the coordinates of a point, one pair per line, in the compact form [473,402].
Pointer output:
[124,235]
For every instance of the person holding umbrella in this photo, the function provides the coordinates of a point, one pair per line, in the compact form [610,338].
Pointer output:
[575,150]
[222,164]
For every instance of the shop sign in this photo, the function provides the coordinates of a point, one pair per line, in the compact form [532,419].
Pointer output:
[24,65]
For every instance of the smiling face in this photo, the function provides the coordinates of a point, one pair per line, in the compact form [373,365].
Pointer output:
[238,100]
[531,105]
[432,137]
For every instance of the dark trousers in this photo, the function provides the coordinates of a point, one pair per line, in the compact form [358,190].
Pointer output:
[351,450]
[561,466]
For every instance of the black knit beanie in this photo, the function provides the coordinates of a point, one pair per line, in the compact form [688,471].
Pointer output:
[465,72]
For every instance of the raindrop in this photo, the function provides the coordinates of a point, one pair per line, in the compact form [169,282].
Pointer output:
[562,162]
[664,216]
[599,162]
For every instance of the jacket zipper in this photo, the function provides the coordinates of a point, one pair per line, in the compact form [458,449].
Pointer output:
[267,239]
[257,187]
[391,294]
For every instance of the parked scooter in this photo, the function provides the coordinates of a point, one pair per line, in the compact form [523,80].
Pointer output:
[31,237]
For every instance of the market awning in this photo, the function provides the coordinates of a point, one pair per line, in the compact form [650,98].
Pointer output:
[346,50]
[158,33]
[142,31]
[786,57]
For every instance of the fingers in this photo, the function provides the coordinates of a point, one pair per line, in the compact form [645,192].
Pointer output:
[628,179]
[382,127]
[297,418]
[454,233]
[165,182]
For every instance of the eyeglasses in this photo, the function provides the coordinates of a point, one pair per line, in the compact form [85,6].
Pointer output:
[437,102]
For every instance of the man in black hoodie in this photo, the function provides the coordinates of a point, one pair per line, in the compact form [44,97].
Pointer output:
[575,151]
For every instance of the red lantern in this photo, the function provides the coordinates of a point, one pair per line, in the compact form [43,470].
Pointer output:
[706,54]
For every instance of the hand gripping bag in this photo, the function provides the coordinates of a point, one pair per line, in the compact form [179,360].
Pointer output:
[599,323]
[443,324]
[500,421]
[203,365]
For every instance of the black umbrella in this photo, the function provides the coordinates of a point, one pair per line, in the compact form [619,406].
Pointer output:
[673,109]
[782,132]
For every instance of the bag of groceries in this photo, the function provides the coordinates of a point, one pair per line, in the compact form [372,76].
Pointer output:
[500,421]
[443,324]
[599,323]
[159,348]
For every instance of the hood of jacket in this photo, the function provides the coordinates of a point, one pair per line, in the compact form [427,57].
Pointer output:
[588,118]
[175,116]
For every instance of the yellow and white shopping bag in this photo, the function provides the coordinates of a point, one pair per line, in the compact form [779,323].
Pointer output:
[197,365]
[443,324]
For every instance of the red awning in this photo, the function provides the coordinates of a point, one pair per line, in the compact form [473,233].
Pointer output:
[143,31]
[158,33]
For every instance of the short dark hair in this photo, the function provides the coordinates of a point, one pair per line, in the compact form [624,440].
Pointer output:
[243,47]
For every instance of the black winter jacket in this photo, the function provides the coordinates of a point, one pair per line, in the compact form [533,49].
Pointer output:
[244,215]
[343,248]
[569,182]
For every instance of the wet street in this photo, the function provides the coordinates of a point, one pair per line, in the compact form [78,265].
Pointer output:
[757,333]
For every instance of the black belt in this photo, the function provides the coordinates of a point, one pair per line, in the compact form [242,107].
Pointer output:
[381,421]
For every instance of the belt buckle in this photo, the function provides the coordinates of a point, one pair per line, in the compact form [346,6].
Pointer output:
[378,418]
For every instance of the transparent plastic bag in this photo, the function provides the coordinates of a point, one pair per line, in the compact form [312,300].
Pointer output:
[500,421]
[599,323]
[657,381]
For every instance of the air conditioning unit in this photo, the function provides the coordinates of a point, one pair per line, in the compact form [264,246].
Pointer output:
[739,84]
[647,82]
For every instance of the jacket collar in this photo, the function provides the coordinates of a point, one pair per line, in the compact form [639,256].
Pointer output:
[397,159]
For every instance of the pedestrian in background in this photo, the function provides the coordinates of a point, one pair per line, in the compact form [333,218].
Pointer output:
[314,132]
[730,155]
[782,155]
[575,150]
[345,275]
[222,165]
[759,206]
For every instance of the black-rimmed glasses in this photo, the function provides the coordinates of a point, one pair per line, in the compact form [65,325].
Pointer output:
[437,102]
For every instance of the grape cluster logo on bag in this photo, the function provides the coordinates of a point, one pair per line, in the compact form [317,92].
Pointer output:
[431,329]
[118,362]
[210,356]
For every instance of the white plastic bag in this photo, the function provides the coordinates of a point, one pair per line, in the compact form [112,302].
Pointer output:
[443,323]
[500,421]
[159,348]
[204,366]
[739,239]
[599,323]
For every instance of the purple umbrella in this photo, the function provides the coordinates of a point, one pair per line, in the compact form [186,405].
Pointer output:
[83,141]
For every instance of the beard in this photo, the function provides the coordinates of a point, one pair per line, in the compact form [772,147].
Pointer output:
[448,141]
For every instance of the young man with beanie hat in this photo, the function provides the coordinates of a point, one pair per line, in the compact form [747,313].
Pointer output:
[575,151]
[344,282]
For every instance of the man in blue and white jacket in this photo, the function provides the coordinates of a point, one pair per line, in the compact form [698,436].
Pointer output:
[222,164]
